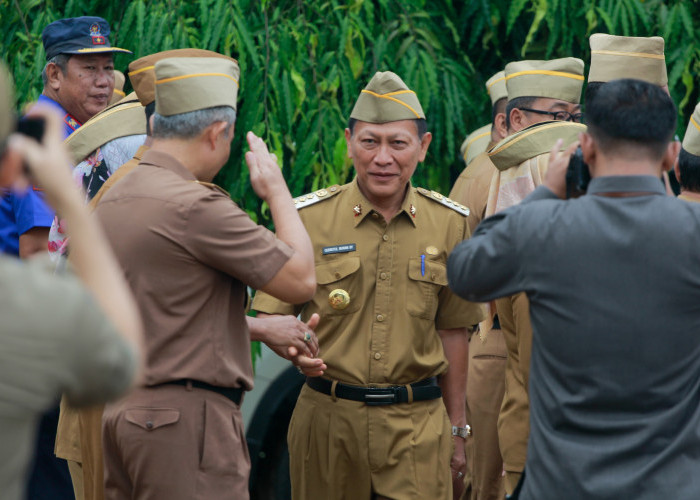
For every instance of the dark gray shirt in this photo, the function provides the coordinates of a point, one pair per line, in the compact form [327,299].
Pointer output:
[614,289]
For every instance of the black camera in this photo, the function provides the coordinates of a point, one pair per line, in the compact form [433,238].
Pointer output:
[32,127]
[577,175]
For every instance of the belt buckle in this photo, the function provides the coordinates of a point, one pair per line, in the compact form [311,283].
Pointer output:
[382,396]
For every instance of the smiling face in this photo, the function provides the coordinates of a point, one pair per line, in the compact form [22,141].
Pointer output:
[385,155]
[86,87]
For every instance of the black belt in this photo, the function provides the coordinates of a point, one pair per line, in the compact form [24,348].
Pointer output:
[375,396]
[235,394]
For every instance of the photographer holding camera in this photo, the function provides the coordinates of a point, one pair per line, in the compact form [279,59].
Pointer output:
[615,375]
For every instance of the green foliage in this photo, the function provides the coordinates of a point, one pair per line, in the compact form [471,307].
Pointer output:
[304,63]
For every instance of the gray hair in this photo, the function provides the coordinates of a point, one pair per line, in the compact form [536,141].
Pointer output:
[60,60]
[189,125]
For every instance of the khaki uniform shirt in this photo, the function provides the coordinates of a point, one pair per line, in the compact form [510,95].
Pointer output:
[117,176]
[387,333]
[188,253]
[472,187]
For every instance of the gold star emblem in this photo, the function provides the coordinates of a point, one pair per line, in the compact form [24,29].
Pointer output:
[357,209]
[412,210]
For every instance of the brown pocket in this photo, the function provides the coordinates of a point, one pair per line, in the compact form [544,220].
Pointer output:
[152,418]
[423,287]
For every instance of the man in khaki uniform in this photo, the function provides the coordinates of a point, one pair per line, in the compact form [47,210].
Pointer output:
[687,166]
[487,350]
[375,425]
[538,91]
[189,253]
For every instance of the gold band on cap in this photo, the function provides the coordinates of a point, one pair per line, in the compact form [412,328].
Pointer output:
[491,84]
[182,77]
[388,96]
[140,70]
[545,72]
[630,54]
[692,120]
[120,92]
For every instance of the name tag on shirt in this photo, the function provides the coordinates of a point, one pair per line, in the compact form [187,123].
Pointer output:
[349,247]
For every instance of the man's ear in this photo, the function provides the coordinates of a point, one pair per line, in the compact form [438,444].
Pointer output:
[348,136]
[54,76]
[499,125]
[671,156]
[424,144]
[215,133]
[517,120]
[589,148]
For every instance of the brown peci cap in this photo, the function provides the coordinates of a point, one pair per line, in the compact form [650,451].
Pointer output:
[556,79]
[614,57]
[386,98]
[142,71]
[496,87]
[185,84]
[691,141]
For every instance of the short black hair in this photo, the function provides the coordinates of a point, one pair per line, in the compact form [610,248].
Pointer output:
[421,126]
[149,109]
[689,166]
[592,89]
[634,113]
[498,107]
[518,102]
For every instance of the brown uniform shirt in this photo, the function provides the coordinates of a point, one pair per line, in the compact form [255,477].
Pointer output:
[387,333]
[472,187]
[188,253]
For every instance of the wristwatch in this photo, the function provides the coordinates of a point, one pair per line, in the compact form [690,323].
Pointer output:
[463,432]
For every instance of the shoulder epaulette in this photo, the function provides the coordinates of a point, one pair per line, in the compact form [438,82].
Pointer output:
[214,187]
[312,198]
[533,141]
[444,200]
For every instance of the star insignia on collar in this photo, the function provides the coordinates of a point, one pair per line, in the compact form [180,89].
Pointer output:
[357,209]
[413,211]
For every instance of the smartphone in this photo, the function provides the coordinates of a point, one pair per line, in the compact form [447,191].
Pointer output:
[32,127]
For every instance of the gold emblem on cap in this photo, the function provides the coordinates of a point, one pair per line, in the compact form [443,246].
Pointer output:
[339,299]
[431,250]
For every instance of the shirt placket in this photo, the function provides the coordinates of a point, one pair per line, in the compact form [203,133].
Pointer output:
[382,313]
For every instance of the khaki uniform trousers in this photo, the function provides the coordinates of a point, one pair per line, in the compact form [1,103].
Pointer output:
[176,443]
[346,450]
[485,388]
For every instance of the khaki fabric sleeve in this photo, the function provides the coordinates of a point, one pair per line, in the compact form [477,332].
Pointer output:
[264,303]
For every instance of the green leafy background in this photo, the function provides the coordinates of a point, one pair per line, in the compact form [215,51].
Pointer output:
[303,63]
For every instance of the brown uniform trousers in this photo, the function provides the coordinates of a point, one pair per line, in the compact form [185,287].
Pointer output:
[175,442]
[487,358]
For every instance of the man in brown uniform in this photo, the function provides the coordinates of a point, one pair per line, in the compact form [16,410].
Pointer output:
[188,253]
[375,425]
[687,166]
[487,350]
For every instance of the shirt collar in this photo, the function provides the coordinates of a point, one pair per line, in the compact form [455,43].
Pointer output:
[358,203]
[626,184]
[70,124]
[164,160]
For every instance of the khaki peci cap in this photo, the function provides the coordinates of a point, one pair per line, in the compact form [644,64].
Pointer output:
[496,87]
[614,57]
[386,98]
[118,93]
[7,111]
[185,84]
[127,117]
[691,141]
[142,74]
[533,141]
[555,79]
[475,143]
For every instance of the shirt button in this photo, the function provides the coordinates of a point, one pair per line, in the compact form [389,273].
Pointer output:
[383,276]
[377,355]
[380,317]
[385,237]
[149,425]
[432,277]
[375,215]
[337,275]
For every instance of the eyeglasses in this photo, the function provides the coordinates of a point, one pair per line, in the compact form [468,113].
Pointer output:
[563,116]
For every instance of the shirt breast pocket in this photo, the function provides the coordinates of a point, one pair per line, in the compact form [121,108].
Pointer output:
[423,287]
[343,279]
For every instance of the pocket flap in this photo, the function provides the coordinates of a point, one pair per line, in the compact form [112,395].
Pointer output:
[435,272]
[152,418]
[336,270]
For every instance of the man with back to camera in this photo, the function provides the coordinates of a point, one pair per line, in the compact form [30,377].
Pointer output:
[375,426]
[687,166]
[86,341]
[188,253]
[614,405]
